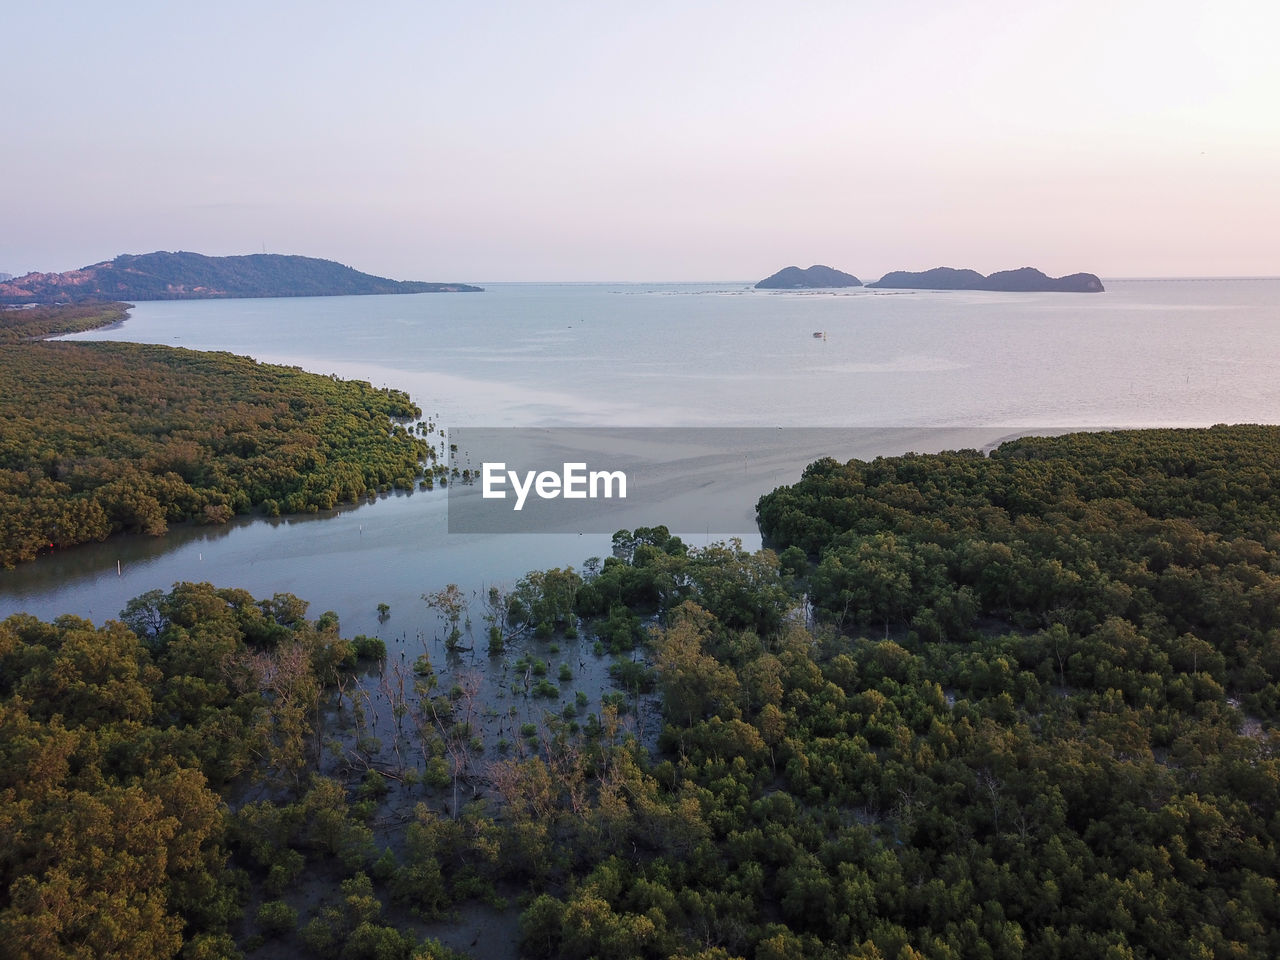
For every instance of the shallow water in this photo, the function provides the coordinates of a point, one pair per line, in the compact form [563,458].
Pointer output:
[1143,353]
[909,366]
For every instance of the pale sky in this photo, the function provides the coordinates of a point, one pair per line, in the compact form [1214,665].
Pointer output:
[646,141]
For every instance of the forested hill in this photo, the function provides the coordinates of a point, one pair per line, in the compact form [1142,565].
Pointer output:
[816,276]
[1022,280]
[193,276]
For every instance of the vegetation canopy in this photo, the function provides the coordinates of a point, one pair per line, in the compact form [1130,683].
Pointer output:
[101,438]
[1018,706]
[35,323]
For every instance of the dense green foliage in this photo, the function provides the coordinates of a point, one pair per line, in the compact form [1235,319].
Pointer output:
[185,276]
[1172,532]
[1039,793]
[1018,766]
[97,438]
[34,323]
[115,747]
[121,747]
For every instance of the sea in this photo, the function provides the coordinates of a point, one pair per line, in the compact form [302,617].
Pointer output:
[880,371]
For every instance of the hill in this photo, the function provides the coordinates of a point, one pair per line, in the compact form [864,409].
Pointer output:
[939,278]
[193,276]
[1022,280]
[1030,280]
[791,278]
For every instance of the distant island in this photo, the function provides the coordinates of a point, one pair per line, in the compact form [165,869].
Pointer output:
[193,276]
[817,276]
[1023,280]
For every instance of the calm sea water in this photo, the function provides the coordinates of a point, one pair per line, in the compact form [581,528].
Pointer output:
[1144,353]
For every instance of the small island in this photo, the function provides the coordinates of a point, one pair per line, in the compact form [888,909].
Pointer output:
[193,276]
[1022,280]
[816,277]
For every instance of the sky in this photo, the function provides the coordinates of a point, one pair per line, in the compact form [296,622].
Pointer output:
[562,141]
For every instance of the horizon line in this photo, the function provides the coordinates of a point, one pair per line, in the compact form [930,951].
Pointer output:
[752,283]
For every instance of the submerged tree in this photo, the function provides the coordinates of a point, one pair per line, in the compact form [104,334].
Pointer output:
[452,604]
